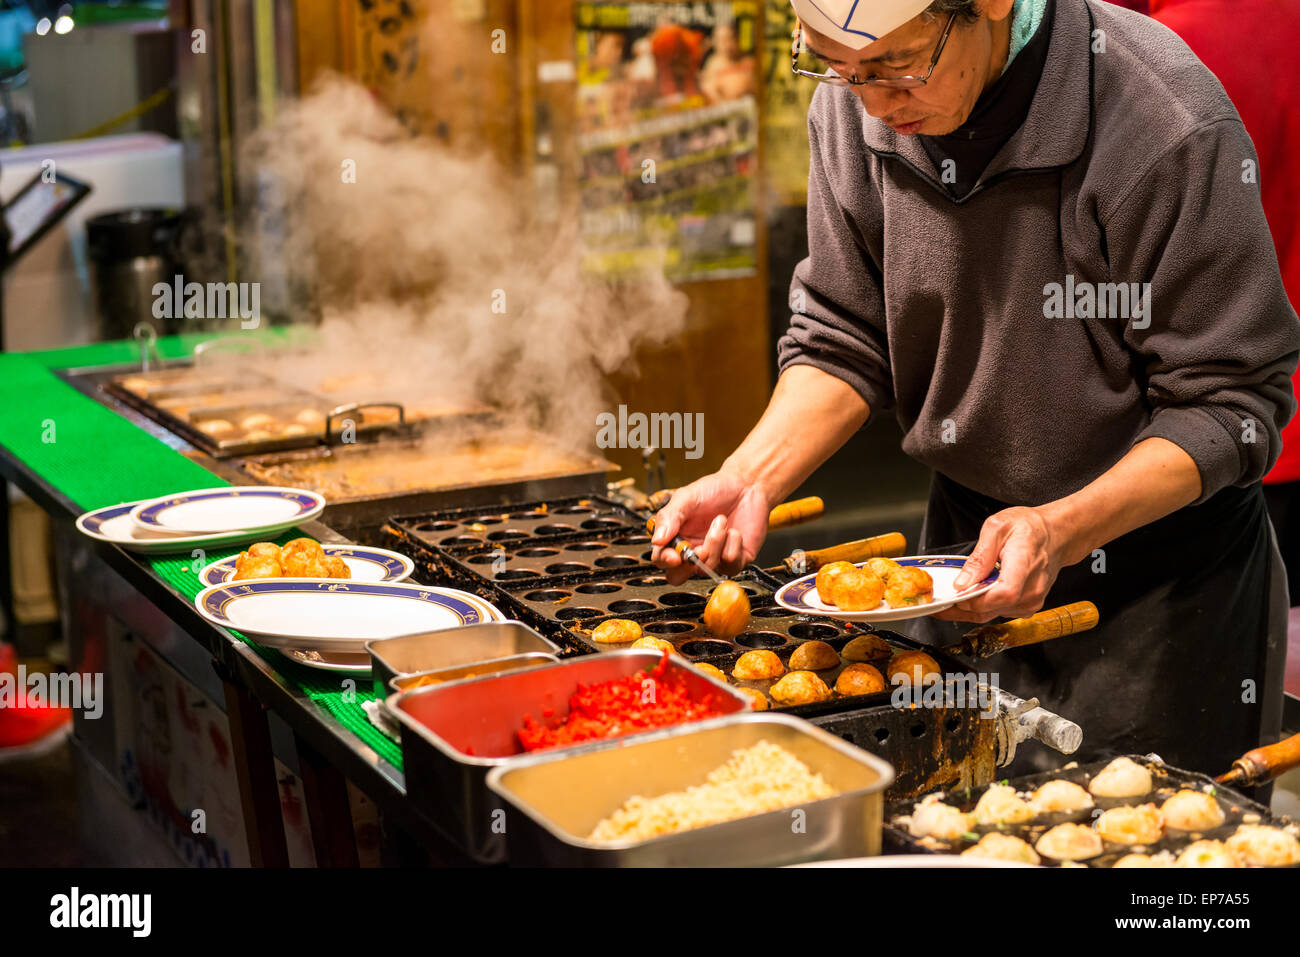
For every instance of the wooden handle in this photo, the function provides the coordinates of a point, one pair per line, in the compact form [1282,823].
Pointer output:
[988,640]
[1264,764]
[878,546]
[794,512]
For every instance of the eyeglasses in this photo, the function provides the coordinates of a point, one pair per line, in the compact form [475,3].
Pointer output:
[890,82]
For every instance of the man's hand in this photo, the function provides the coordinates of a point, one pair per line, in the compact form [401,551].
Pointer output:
[1023,541]
[723,518]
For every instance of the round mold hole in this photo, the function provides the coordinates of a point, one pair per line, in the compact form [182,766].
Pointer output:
[952,724]
[669,627]
[698,649]
[595,523]
[761,639]
[598,588]
[554,529]
[462,540]
[917,730]
[485,520]
[481,559]
[436,526]
[506,535]
[547,594]
[573,510]
[615,561]
[573,614]
[537,552]
[681,599]
[809,630]
[882,735]
[629,605]
[632,540]
[528,513]
[586,547]
[648,581]
[777,612]
[646,555]
[566,568]
[515,575]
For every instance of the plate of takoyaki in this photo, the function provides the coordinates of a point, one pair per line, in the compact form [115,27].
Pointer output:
[882,589]
[305,558]
[337,616]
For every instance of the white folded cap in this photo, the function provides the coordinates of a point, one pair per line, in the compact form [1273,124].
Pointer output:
[857,23]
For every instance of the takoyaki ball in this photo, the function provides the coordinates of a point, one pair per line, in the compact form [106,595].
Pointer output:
[1001,805]
[1139,860]
[914,667]
[1261,846]
[757,700]
[310,418]
[727,612]
[712,671]
[259,435]
[857,590]
[292,430]
[1190,810]
[1207,854]
[257,567]
[265,550]
[137,384]
[337,567]
[216,428]
[1131,825]
[616,631]
[1069,842]
[758,665]
[800,687]
[258,420]
[654,644]
[1058,796]
[883,568]
[827,575]
[308,568]
[1122,778]
[1003,847]
[858,679]
[301,546]
[909,586]
[866,648]
[933,818]
[814,656]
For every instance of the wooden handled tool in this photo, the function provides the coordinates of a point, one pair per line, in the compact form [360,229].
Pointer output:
[796,511]
[878,546]
[1263,764]
[988,640]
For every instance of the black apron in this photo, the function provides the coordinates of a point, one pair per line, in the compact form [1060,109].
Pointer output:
[1188,657]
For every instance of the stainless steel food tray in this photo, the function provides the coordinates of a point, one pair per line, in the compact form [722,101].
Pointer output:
[449,647]
[453,734]
[554,801]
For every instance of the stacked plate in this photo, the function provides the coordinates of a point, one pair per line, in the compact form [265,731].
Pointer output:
[206,518]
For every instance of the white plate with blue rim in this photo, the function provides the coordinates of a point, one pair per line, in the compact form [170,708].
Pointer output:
[267,509]
[801,595]
[365,563]
[113,524]
[333,615]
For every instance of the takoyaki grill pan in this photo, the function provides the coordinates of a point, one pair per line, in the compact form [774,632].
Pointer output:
[1237,808]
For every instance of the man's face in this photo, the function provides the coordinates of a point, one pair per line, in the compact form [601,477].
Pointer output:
[944,103]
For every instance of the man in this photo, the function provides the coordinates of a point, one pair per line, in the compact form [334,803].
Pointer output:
[1263,86]
[1031,237]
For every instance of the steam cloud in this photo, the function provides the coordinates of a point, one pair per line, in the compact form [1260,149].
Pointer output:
[403,265]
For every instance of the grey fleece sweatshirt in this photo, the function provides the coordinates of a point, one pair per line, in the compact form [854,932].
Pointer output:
[976,318]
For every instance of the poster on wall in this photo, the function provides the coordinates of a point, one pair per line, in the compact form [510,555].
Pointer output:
[786,98]
[668,137]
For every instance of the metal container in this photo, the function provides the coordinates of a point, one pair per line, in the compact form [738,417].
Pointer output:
[450,647]
[454,734]
[554,801]
[478,669]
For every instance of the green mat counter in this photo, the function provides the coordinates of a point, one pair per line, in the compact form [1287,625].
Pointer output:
[71,453]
